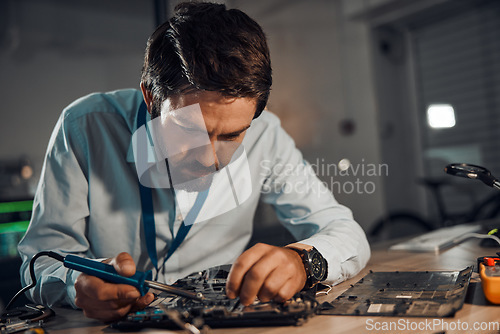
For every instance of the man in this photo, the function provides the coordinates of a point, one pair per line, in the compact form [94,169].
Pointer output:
[168,178]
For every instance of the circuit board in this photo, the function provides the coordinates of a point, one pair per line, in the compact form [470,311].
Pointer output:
[414,294]
[25,318]
[169,311]
[402,294]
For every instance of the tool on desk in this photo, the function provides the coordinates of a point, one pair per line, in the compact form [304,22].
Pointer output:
[470,171]
[489,267]
[30,317]
[140,280]
[480,173]
[489,270]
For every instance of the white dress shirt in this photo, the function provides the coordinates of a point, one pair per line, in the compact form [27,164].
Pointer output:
[88,203]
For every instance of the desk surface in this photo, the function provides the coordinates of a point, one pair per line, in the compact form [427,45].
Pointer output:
[476,311]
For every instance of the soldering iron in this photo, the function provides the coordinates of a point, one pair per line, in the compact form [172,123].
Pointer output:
[141,280]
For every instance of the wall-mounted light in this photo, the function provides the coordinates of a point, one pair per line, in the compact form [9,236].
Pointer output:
[344,164]
[440,116]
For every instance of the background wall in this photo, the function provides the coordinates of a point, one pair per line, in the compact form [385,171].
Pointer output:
[322,78]
[53,52]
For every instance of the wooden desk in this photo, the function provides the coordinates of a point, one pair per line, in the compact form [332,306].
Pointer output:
[475,310]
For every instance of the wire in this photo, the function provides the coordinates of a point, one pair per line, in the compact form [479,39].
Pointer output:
[480,236]
[53,255]
[330,287]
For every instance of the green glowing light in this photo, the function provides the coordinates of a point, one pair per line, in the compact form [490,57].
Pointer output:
[14,227]
[17,206]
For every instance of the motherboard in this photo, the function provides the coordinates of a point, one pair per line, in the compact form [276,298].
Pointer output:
[403,294]
[216,310]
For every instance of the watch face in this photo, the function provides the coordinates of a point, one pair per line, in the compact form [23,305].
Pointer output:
[318,267]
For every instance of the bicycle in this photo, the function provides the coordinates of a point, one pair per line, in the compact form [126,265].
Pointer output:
[404,222]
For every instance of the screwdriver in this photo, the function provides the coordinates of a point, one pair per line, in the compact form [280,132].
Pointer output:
[141,280]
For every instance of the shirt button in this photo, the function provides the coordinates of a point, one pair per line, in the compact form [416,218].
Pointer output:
[179,217]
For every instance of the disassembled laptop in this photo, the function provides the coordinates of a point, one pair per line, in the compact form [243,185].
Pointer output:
[424,294]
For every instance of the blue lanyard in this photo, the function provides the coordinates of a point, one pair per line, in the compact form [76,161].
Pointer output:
[148,218]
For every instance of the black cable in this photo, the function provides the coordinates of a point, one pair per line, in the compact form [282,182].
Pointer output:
[53,255]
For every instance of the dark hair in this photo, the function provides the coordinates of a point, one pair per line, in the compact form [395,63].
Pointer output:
[204,46]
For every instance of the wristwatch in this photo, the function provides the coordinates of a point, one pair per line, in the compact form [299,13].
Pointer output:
[314,263]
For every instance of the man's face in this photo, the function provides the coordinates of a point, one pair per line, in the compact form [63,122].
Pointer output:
[199,133]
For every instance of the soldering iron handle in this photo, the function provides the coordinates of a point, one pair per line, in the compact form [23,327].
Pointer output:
[107,272]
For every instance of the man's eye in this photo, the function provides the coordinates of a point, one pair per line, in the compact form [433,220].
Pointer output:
[230,137]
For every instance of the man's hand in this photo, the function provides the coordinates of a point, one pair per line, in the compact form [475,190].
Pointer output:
[266,272]
[108,301]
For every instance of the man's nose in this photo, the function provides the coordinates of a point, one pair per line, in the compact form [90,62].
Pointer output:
[208,157]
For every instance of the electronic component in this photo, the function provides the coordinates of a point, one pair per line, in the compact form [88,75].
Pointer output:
[416,294]
[23,318]
[489,269]
[217,310]
[437,240]
[200,298]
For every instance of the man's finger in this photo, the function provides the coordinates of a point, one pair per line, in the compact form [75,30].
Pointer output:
[272,285]
[144,301]
[286,292]
[241,266]
[256,276]
[96,288]
[124,264]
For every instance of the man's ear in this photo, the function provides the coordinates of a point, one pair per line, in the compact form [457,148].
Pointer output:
[148,98]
